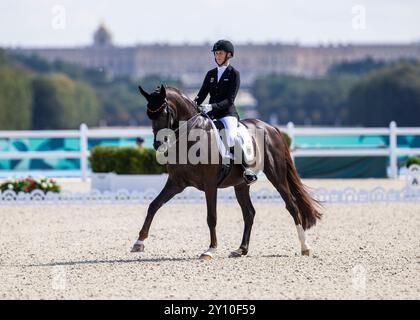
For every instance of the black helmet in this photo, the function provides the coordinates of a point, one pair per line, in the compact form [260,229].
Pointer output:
[224,45]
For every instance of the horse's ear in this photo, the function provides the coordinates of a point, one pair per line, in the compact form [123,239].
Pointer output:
[162,91]
[144,93]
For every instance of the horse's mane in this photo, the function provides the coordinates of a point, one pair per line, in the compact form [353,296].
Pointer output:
[179,94]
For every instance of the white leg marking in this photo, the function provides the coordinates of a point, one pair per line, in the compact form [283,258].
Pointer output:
[302,238]
[210,252]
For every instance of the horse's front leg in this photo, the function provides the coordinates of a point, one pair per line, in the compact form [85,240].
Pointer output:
[248,212]
[211,200]
[168,192]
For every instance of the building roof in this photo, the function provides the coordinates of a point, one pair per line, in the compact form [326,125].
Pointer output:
[102,37]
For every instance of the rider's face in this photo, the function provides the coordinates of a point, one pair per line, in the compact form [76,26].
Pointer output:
[220,56]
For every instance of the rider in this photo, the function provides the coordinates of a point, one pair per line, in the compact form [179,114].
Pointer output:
[223,84]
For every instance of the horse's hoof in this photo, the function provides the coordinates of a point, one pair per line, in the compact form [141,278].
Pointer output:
[306,252]
[205,257]
[236,254]
[138,248]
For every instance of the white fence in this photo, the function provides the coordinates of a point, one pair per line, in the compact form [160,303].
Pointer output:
[392,151]
[409,193]
[347,195]
[84,134]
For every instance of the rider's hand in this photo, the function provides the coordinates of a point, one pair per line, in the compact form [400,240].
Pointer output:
[206,108]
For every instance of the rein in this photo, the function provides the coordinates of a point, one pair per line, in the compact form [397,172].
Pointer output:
[167,144]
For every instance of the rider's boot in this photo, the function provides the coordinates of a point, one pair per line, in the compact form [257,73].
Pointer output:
[249,175]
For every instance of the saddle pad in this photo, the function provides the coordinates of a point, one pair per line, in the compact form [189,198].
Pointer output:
[244,137]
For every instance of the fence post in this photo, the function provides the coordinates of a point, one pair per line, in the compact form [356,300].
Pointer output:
[393,150]
[83,151]
[291,133]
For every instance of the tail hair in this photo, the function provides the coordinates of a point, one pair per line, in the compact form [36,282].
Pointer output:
[309,208]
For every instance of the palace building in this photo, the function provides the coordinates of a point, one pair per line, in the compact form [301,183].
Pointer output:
[190,62]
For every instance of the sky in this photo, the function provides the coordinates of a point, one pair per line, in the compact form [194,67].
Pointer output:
[66,23]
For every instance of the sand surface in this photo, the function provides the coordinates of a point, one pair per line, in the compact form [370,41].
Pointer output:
[361,251]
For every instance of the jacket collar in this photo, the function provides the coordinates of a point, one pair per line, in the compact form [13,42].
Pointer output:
[225,73]
[229,68]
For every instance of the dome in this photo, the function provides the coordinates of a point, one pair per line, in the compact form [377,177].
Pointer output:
[102,37]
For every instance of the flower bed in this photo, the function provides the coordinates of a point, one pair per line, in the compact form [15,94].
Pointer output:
[29,184]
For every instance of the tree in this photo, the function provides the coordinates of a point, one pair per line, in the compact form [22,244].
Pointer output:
[358,67]
[319,101]
[15,98]
[118,96]
[61,103]
[389,94]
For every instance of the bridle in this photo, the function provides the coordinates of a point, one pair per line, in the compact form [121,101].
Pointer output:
[169,111]
[165,104]
[167,144]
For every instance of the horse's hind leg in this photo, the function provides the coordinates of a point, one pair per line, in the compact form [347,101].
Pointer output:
[168,192]
[248,212]
[278,177]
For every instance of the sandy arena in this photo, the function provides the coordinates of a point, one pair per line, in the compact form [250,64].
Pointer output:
[361,251]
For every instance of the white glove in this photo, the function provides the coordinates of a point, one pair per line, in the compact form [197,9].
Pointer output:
[206,108]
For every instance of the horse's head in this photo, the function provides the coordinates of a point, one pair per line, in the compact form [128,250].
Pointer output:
[159,111]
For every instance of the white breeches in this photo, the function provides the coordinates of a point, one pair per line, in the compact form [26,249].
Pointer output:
[231,129]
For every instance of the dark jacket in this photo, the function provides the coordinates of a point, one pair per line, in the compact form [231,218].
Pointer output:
[222,93]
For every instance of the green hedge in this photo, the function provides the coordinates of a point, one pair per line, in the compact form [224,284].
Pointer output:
[125,160]
[413,160]
[130,160]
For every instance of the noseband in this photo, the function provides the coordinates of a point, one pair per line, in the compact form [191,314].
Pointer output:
[165,104]
[169,110]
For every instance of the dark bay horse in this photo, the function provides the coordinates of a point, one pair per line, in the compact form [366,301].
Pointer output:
[167,108]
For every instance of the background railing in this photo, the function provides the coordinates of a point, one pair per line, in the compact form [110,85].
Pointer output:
[392,151]
[84,133]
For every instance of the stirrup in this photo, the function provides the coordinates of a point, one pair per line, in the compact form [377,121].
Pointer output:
[249,176]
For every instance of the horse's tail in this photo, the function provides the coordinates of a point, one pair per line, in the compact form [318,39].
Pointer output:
[308,207]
